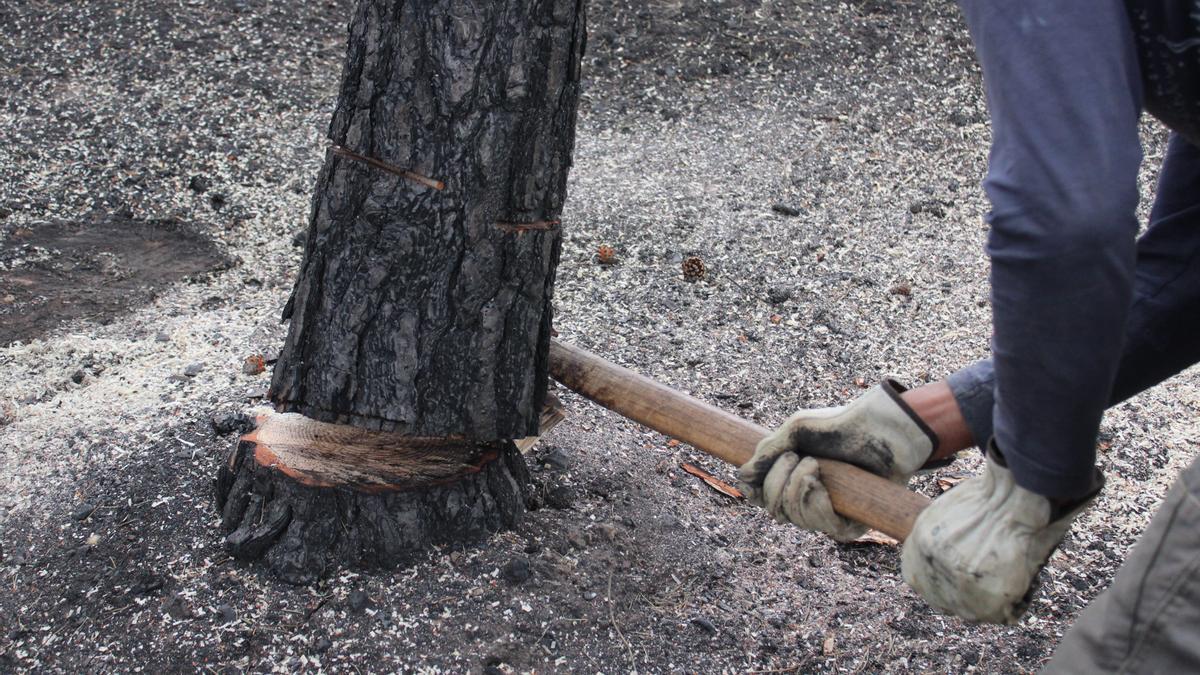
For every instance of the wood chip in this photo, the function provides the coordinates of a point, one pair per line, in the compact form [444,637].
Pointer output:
[950,480]
[828,646]
[712,481]
[877,537]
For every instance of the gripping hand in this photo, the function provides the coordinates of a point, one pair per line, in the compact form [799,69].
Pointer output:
[877,432]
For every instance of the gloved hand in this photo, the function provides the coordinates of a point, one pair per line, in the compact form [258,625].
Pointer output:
[977,550]
[877,432]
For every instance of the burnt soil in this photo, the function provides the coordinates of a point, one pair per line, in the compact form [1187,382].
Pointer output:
[57,273]
[821,159]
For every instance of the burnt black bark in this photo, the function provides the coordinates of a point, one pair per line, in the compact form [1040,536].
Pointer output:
[428,311]
[423,304]
[302,532]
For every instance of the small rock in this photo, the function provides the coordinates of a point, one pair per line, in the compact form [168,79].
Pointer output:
[517,570]
[357,600]
[199,184]
[160,336]
[148,583]
[231,422]
[785,210]
[83,511]
[933,207]
[560,497]
[193,369]
[557,459]
[576,539]
[705,625]
[961,119]
[77,376]
[322,645]
[777,295]
[608,530]
[590,595]
[177,607]
[902,288]
[226,614]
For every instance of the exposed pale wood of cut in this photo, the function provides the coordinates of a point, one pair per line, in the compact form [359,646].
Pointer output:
[552,414]
[322,454]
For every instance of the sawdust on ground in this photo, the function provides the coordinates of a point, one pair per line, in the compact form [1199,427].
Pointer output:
[703,126]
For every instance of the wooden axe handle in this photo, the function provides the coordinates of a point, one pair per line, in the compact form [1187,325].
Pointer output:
[855,493]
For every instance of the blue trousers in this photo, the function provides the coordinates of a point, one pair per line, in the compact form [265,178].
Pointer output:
[1085,313]
[1162,331]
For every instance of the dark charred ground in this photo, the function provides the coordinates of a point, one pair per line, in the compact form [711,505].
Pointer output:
[125,122]
[93,271]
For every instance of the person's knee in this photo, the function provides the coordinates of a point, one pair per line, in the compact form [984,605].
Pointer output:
[1052,223]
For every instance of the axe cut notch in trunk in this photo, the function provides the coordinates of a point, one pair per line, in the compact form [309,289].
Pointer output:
[855,493]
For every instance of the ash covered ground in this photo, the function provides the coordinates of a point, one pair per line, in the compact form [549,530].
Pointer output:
[821,158]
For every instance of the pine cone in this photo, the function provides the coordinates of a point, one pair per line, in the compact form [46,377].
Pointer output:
[693,268]
[607,255]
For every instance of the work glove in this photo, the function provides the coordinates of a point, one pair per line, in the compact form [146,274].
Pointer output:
[977,550]
[878,432]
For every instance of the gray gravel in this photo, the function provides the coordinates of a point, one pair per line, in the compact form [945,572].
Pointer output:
[703,126]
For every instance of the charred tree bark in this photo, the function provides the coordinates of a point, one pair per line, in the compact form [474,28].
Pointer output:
[422,308]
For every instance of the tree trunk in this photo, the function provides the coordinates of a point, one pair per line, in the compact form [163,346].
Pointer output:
[422,310]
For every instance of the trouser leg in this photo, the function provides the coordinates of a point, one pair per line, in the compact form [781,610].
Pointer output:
[1148,621]
[1064,95]
[1165,317]
[1164,320]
